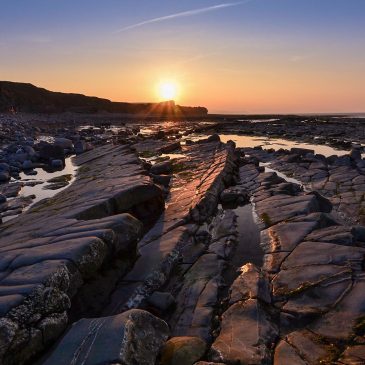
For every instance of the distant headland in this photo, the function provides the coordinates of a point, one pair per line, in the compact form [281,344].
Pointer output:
[25,97]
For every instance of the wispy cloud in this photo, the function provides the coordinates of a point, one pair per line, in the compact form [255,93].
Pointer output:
[182,14]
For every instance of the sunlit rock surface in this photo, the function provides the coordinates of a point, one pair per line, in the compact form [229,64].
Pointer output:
[152,234]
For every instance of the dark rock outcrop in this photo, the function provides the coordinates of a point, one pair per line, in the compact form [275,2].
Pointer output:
[29,98]
[133,337]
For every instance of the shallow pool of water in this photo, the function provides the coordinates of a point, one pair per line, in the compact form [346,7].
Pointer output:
[42,177]
[173,155]
[248,249]
[280,174]
[277,143]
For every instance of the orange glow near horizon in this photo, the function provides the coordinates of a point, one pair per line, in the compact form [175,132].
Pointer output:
[167,90]
[243,57]
[258,85]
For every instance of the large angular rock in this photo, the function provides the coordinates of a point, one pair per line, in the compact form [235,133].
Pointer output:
[353,356]
[183,351]
[65,143]
[4,176]
[250,284]
[247,332]
[292,281]
[285,236]
[130,338]
[49,152]
[164,168]
[338,234]
[303,348]
[286,354]
[198,297]
[320,298]
[340,323]
[321,253]
[278,208]
[301,151]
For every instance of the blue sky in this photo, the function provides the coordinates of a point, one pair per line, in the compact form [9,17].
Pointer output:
[255,56]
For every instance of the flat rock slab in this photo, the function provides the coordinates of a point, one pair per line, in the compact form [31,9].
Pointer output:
[315,266]
[133,337]
[340,323]
[197,298]
[247,333]
[150,271]
[291,281]
[285,236]
[343,185]
[322,253]
[278,208]
[194,194]
[302,347]
[354,355]
[250,284]
[51,250]
[183,351]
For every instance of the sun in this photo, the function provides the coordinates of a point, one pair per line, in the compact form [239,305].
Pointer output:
[167,90]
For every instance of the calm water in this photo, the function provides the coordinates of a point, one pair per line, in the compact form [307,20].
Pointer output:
[42,177]
[277,143]
[248,249]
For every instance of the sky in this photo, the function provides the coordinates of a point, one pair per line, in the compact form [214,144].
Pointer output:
[258,56]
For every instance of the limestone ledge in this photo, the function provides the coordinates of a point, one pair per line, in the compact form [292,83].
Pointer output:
[48,252]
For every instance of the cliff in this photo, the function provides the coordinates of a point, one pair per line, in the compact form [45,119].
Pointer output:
[24,97]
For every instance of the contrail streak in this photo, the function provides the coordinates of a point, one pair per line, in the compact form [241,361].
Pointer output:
[182,14]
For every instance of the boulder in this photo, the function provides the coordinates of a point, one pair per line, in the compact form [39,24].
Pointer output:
[4,167]
[48,152]
[160,134]
[129,338]
[162,301]
[214,138]
[183,351]
[355,154]
[301,151]
[162,168]
[65,143]
[342,161]
[170,147]
[2,198]
[27,165]
[234,195]
[57,164]
[163,180]
[19,157]
[32,154]
[4,176]
[82,146]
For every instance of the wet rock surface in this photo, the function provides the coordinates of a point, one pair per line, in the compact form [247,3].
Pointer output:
[131,337]
[182,351]
[82,244]
[145,253]
[314,265]
[51,250]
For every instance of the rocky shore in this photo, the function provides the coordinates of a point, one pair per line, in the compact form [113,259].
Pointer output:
[170,247]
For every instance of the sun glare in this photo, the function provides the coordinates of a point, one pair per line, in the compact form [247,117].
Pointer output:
[167,90]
